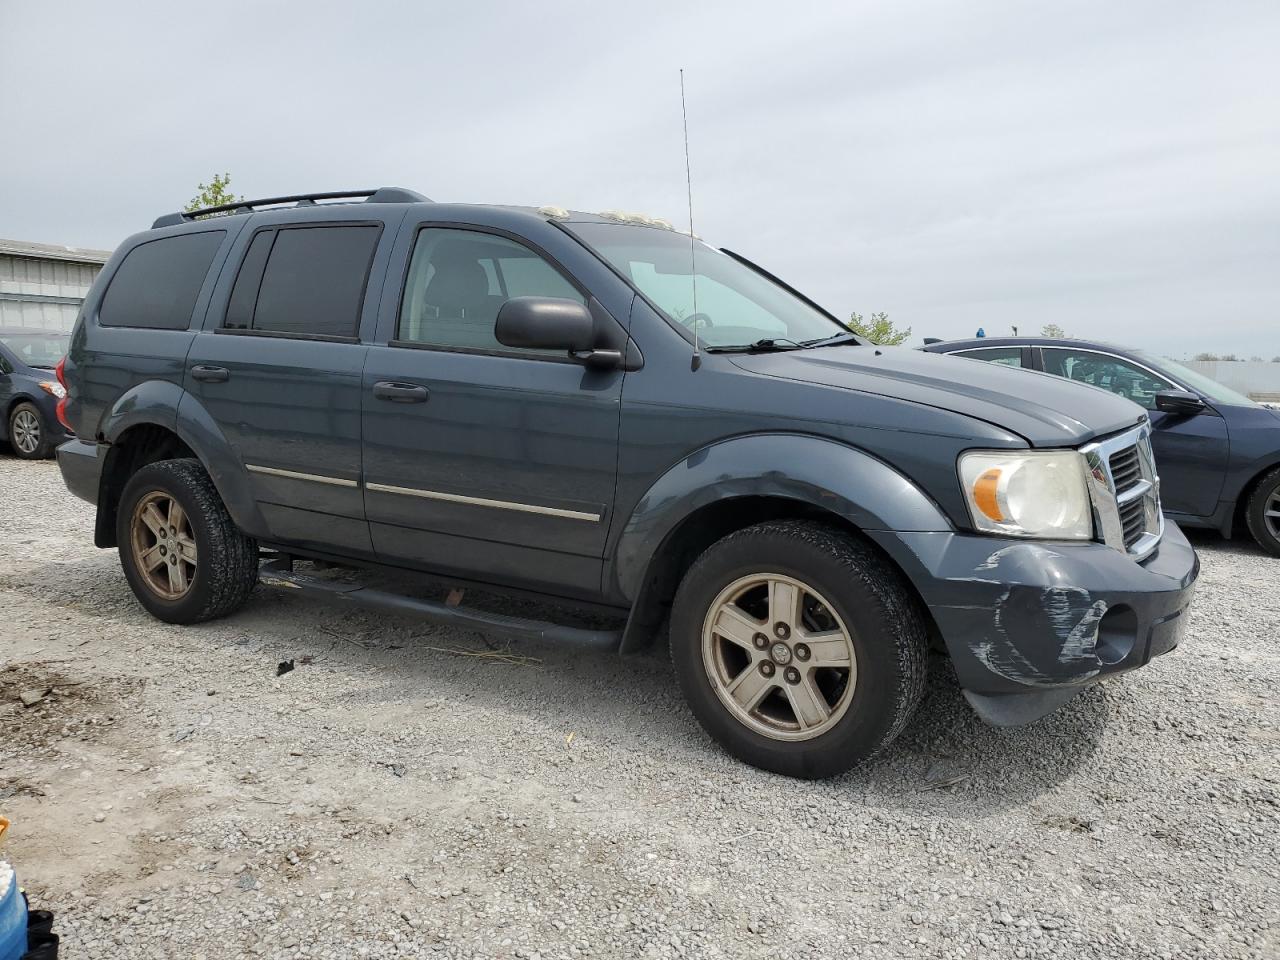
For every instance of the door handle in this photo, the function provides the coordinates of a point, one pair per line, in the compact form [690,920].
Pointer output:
[207,374]
[400,392]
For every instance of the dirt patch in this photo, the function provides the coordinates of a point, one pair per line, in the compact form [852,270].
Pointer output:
[40,706]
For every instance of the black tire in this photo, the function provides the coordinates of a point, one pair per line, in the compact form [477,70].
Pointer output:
[1265,496]
[227,567]
[883,617]
[43,449]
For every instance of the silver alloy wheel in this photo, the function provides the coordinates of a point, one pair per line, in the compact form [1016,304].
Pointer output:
[26,431]
[1271,513]
[779,657]
[164,546]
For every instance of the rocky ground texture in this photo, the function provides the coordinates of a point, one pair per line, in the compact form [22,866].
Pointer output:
[395,795]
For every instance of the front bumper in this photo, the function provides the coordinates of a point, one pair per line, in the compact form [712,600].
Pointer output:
[81,466]
[1028,624]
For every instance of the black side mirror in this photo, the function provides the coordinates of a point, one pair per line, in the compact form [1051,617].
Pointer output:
[548,323]
[544,323]
[1180,403]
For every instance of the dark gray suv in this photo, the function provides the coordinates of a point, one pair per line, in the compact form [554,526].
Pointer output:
[596,410]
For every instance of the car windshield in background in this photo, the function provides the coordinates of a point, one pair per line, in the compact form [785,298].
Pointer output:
[1197,381]
[736,307]
[42,349]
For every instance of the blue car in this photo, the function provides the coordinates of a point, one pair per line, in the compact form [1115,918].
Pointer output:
[30,391]
[1218,452]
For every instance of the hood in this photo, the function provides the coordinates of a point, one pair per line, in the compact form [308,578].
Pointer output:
[1047,411]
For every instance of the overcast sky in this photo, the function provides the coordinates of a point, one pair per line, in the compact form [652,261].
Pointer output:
[1110,167]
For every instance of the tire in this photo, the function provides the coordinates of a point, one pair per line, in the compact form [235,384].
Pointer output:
[1263,512]
[28,433]
[844,584]
[216,578]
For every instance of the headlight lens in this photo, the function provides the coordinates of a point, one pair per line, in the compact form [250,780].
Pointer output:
[1028,494]
[53,387]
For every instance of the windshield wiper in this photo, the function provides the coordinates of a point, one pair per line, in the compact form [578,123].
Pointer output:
[836,340]
[763,345]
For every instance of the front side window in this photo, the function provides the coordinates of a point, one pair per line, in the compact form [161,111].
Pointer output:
[1110,373]
[308,281]
[1006,356]
[37,348]
[731,304]
[457,282]
[157,284]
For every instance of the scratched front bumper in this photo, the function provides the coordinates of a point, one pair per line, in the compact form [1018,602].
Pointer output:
[1020,616]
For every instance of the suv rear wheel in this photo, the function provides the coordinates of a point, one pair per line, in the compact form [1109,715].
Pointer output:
[181,552]
[798,648]
[1263,512]
[27,433]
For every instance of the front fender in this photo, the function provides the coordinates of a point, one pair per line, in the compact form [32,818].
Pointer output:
[823,473]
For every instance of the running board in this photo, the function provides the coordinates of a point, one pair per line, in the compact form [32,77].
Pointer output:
[276,573]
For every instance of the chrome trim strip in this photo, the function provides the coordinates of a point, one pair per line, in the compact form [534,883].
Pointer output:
[483,502]
[1139,489]
[295,475]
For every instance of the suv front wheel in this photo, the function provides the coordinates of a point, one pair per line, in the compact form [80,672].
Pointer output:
[181,551]
[798,648]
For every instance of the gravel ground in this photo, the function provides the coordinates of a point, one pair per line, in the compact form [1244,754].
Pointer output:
[391,797]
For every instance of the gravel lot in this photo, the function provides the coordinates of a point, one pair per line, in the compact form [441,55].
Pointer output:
[173,797]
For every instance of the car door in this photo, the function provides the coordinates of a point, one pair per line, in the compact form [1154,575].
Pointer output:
[279,367]
[480,460]
[1191,451]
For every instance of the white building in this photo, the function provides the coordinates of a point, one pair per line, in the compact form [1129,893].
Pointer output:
[42,284]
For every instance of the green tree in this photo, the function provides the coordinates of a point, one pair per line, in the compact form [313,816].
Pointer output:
[213,194]
[1053,330]
[878,329]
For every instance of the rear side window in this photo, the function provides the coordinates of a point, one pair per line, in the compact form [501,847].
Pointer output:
[304,280]
[1008,356]
[157,284]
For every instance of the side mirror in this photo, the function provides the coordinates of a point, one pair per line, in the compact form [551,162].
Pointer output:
[544,323]
[1179,403]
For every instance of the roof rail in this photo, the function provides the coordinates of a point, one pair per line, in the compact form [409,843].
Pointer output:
[381,195]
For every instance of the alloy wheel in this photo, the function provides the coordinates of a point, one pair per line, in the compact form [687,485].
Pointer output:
[1271,513]
[779,657]
[26,431]
[164,545]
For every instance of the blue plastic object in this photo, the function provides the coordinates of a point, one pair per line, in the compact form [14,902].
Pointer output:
[13,923]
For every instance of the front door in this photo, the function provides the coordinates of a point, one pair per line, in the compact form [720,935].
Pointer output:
[279,371]
[1191,451]
[479,459]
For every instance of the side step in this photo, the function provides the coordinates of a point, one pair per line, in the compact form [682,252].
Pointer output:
[276,573]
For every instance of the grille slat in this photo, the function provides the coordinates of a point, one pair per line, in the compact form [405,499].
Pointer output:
[1133,518]
[1126,469]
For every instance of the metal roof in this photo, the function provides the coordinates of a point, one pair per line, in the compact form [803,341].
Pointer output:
[52,251]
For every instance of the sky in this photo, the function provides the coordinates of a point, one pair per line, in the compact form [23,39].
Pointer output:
[1110,168]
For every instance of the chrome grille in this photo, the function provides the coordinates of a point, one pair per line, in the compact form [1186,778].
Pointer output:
[1125,491]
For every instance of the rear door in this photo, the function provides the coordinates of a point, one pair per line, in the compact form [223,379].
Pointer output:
[278,368]
[1191,451]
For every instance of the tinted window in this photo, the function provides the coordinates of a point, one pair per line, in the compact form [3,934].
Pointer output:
[1009,356]
[313,282]
[244,297]
[157,285]
[1110,373]
[459,279]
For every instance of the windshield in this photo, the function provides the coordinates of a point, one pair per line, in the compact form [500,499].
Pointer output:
[736,306]
[1197,381]
[43,348]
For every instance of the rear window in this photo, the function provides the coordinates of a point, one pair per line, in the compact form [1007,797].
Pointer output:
[304,280]
[157,284]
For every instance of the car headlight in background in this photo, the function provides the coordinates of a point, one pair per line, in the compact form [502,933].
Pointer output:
[1028,493]
[53,387]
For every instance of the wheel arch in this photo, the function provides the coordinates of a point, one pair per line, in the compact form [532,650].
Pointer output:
[169,424]
[742,482]
[1237,519]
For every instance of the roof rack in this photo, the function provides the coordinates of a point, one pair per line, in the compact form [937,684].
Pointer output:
[381,195]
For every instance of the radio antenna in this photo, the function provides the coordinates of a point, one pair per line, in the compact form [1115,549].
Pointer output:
[696,360]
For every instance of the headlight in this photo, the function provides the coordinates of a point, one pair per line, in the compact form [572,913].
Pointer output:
[1028,494]
[53,387]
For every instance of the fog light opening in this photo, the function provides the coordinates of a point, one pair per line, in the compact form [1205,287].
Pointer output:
[1117,633]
